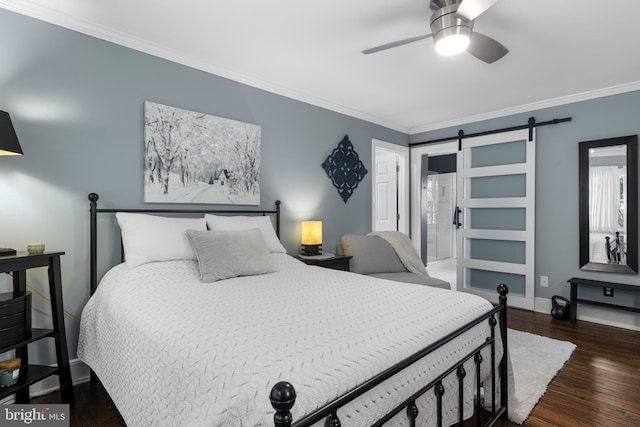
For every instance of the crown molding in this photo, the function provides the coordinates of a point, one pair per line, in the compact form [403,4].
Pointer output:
[554,102]
[24,7]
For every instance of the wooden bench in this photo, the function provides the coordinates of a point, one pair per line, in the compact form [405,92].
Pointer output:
[575,281]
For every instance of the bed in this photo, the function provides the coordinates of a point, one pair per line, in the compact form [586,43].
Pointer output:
[296,345]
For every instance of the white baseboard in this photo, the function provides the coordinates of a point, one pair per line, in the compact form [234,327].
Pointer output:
[604,316]
[79,374]
[542,305]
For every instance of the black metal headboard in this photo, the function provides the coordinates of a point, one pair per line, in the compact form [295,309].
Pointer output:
[94,211]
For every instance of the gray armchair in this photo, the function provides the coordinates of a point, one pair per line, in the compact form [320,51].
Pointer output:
[374,256]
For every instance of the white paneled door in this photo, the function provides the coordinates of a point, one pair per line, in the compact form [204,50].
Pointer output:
[386,183]
[496,205]
[389,194]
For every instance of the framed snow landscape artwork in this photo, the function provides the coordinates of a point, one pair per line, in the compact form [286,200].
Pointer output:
[192,157]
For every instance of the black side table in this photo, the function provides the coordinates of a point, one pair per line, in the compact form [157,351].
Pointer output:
[336,262]
[30,374]
[576,282]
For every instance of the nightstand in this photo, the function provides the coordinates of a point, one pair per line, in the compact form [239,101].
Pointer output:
[29,374]
[336,262]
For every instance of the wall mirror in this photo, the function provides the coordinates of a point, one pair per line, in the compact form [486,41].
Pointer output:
[608,202]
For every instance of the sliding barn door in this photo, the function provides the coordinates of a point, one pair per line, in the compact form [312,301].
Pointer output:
[496,206]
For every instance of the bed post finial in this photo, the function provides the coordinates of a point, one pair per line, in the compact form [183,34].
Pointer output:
[282,397]
[503,290]
[278,203]
[93,198]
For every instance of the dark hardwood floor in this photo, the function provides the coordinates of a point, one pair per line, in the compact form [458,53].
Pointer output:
[599,385]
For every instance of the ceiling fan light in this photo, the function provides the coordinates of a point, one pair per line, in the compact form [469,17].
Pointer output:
[452,45]
[451,33]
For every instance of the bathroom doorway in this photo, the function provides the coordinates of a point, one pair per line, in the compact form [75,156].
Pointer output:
[434,231]
[438,179]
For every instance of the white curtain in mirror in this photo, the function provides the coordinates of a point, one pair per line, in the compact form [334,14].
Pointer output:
[604,199]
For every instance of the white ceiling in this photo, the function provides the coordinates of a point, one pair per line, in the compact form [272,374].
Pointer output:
[560,51]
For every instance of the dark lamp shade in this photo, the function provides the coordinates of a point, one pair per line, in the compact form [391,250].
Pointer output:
[9,144]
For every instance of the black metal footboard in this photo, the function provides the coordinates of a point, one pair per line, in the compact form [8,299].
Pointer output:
[283,394]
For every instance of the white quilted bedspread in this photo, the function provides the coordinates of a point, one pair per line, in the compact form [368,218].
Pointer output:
[172,351]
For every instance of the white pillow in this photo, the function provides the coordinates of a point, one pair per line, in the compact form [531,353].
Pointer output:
[148,238]
[243,223]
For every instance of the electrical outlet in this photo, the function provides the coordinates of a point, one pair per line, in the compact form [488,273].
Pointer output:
[544,281]
[607,292]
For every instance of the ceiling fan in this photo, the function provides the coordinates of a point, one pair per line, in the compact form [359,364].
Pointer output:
[451,29]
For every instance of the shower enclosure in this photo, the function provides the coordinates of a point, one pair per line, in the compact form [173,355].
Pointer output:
[438,204]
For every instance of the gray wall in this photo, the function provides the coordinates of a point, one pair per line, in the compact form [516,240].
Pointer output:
[77,105]
[557,239]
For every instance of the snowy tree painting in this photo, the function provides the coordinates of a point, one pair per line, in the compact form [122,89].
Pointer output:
[192,157]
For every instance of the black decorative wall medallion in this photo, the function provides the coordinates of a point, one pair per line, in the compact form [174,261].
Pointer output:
[345,168]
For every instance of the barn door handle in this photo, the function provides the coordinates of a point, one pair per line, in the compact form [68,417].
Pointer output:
[456,217]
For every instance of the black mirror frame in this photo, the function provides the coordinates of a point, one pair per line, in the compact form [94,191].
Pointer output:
[632,205]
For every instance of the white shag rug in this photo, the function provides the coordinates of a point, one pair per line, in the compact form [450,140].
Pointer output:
[535,361]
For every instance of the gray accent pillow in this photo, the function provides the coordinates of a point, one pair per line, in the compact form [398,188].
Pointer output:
[371,254]
[226,254]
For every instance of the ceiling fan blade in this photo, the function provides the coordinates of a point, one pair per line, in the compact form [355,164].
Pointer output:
[485,48]
[471,9]
[395,44]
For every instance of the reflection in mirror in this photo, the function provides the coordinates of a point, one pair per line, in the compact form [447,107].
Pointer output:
[608,205]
